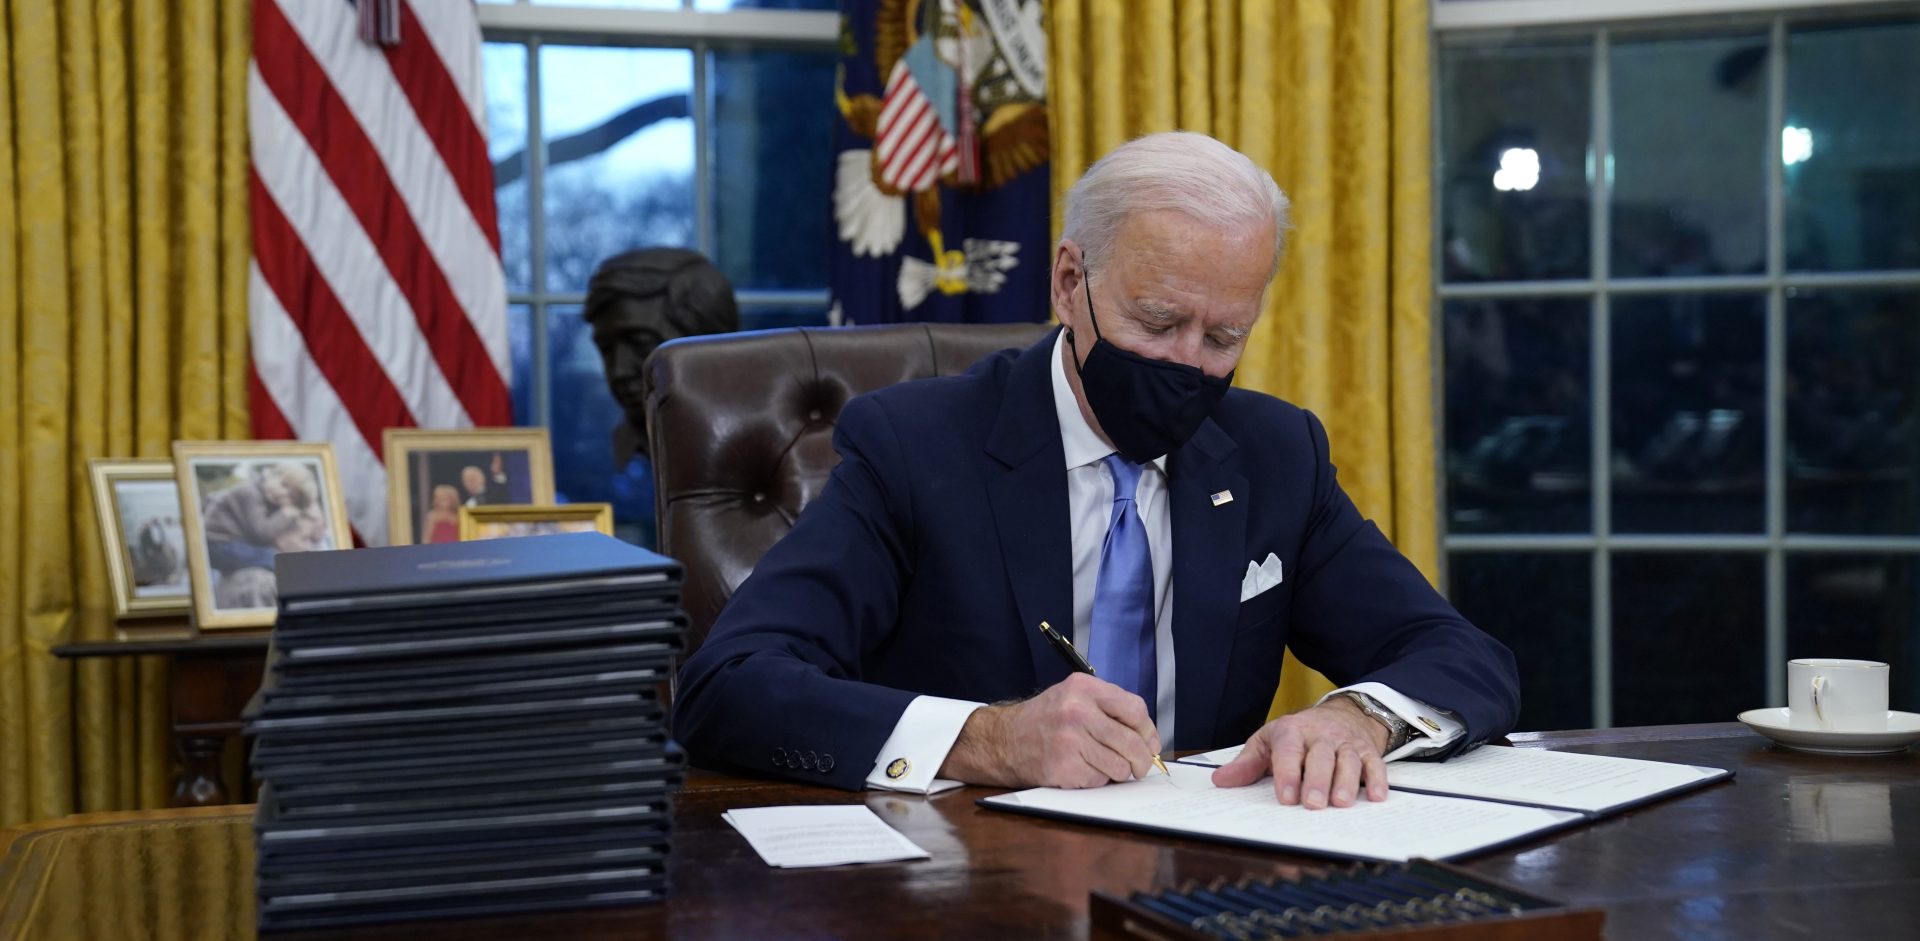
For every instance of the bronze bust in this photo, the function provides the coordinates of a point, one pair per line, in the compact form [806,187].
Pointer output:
[640,299]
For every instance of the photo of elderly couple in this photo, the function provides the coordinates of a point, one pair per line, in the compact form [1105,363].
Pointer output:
[250,510]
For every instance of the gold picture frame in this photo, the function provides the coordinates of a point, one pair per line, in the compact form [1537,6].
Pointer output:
[137,504]
[245,502]
[506,522]
[427,468]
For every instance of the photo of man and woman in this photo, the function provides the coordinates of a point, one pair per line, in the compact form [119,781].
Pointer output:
[432,474]
[454,479]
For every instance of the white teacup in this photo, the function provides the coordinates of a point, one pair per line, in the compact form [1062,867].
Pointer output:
[1837,695]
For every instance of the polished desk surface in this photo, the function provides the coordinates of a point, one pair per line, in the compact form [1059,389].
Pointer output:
[1797,845]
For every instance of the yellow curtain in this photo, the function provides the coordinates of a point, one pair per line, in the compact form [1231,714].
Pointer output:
[1331,97]
[123,274]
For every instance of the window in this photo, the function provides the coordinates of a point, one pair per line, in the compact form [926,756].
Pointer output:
[1679,287]
[622,125]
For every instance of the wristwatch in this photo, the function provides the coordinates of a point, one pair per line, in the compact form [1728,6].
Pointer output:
[1399,732]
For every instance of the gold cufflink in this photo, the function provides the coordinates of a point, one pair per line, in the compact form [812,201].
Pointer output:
[1429,723]
[897,769]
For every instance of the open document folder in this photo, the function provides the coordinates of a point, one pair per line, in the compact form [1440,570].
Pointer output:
[1488,798]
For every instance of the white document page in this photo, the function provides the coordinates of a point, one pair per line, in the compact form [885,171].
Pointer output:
[1592,783]
[1402,827]
[820,835]
[1215,758]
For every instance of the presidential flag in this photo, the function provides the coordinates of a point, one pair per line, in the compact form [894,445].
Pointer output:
[376,295]
[940,195]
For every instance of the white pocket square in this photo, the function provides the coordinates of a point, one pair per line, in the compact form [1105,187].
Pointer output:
[1260,577]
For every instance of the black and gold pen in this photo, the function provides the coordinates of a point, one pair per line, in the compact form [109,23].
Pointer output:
[1079,664]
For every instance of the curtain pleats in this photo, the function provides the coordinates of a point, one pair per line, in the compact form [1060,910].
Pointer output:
[1331,97]
[123,259]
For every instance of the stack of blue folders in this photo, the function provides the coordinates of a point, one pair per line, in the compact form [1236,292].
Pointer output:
[464,729]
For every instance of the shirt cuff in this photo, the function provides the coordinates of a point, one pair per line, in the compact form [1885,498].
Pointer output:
[919,745]
[1433,729]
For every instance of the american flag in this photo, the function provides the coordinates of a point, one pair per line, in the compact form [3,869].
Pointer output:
[911,143]
[376,295]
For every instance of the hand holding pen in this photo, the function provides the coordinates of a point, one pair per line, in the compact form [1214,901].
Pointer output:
[1079,664]
[1079,732]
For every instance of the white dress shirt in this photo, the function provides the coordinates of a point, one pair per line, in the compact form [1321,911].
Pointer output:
[927,729]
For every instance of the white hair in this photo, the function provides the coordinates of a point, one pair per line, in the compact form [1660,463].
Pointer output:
[1179,170]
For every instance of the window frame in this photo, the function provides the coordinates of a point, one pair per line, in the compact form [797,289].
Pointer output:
[701,32]
[1472,22]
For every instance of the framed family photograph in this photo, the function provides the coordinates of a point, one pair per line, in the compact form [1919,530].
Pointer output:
[137,503]
[504,522]
[246,502]
[431,475]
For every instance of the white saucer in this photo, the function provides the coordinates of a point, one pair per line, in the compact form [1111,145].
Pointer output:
[1903,729]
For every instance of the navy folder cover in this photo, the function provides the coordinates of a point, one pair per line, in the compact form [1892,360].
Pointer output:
[455,566]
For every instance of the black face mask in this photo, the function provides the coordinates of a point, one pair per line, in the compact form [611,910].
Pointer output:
[1147,407]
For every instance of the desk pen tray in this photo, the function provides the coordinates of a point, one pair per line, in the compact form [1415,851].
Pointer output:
[1420,899]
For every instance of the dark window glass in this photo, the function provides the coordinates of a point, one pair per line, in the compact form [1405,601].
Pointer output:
[505,72]
[520,349]
[1518,439]
[1689,635]
[1540,604]
[767,317]
[1852,147]
[619,155]
[1853,432]
[1513,161]
[1688,416]
[772,129]
[766,4]
[1864,607]
[585,415]
[1689,156]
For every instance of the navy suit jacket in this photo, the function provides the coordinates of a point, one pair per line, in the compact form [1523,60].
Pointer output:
[941,541]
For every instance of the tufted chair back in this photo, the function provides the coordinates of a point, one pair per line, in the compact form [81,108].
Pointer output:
[740,427]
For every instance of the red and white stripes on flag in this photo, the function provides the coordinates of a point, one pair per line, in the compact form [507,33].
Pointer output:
[377,298]
[911,147]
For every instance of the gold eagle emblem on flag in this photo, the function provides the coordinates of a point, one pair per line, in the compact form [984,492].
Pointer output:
[963,107]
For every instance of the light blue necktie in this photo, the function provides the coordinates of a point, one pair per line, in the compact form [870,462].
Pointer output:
[1122,628]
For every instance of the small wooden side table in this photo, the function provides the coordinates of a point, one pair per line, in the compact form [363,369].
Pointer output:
[212,676]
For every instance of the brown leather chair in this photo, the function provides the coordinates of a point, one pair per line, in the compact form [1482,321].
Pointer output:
[740,427]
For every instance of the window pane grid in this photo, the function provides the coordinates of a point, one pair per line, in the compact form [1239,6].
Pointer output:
[662,193]
[1776,352]
[537,223]
[1600,222]
[1683,543]
[1773,548]
[1809,280]
[745,298]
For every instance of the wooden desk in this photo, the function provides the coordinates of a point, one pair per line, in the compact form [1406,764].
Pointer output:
[1797,845]
[213,676]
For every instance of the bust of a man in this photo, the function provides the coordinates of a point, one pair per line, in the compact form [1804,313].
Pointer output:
[640,299]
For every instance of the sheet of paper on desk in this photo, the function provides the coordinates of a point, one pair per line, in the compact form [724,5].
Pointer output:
[1591,783]
[1587,783]
[1402,827]
[820,835]
[1215,758]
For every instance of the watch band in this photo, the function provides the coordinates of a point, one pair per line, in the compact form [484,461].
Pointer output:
[1399,731]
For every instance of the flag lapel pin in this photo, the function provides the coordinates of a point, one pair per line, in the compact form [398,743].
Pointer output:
[1222,498]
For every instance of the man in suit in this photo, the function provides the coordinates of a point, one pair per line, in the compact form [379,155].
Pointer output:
[481,488]
[1109,482]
